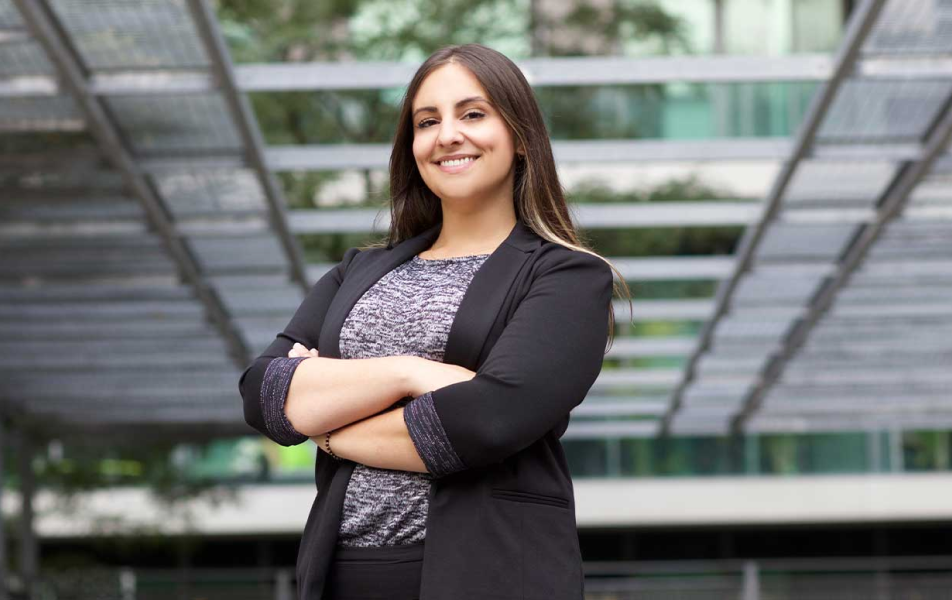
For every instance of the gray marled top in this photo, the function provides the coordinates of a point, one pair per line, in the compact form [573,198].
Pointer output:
[409,311]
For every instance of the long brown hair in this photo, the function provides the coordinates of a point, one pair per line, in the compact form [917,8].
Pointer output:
[537,192]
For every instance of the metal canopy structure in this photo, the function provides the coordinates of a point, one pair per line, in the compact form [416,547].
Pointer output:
[835,325]
[135,298]
[148,254]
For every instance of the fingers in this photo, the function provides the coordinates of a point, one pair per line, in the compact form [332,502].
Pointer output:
[299,351]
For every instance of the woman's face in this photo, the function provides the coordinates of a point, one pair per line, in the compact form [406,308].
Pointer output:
[473,128]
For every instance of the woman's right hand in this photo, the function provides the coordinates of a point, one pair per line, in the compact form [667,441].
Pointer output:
[427,375]
[299,351]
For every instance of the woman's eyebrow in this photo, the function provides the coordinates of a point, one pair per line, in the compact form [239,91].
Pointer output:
[457,105]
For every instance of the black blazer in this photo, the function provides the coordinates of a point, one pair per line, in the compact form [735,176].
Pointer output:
[533,325]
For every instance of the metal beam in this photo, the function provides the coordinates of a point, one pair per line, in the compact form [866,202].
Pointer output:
[701,213]
[851,422]
[630,215]
[860,25]
[542,72]
[42,23]
[660,310]
[611,429]
[231,413]
[546,72]
[247,125]
[888,210]
[332,157]
[620,408]
[184,401]
[864,406]
[632,347]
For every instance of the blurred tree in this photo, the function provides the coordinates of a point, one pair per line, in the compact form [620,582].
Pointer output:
[71,466]
[410,30]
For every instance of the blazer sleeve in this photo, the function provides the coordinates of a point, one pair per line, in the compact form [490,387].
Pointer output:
[541,367]
[264,383]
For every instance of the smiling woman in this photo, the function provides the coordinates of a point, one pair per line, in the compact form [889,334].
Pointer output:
[486,313]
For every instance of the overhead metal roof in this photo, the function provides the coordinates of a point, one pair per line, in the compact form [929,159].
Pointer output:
[148,255]
[864,342]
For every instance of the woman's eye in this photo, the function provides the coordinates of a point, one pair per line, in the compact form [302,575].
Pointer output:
[425,122]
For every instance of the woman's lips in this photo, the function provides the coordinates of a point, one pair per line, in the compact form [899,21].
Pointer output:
[458,168]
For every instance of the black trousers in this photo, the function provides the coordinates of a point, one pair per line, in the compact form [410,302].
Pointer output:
[382,573]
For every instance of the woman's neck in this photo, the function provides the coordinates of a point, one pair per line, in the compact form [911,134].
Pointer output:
[463,235]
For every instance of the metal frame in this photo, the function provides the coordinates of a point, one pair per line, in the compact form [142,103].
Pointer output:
[859,28]
[42,24]
[889,209]
[250,132]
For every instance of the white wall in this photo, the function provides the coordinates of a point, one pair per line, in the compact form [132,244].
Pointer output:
[283,509]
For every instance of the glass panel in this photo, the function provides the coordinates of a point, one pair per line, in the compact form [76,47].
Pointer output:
[777,27]
[586,458]
[789,454]
[169,124]
[117,34]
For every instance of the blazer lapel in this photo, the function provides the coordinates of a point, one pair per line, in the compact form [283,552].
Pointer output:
[360,280]
[485,296]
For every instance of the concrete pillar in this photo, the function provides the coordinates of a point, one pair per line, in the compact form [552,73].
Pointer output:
[283,590]
[720,45]
[127,584]
[751,587]
[895,451]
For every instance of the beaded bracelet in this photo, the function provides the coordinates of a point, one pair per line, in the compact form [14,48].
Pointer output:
[327,445]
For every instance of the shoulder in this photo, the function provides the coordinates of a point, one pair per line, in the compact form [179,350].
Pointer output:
[553,257]
[357,256]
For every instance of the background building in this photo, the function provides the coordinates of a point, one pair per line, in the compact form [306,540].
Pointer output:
[771,176]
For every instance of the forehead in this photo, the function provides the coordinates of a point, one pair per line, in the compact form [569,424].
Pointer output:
[446,84]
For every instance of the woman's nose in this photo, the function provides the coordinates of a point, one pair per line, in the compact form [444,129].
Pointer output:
[449,133]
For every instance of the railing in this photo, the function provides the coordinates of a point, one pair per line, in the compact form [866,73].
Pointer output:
[906,578]
[912,578]
[166,584]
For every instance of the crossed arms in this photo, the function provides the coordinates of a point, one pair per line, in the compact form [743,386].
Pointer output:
[540,368]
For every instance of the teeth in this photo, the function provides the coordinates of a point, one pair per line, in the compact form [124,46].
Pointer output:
[457,162]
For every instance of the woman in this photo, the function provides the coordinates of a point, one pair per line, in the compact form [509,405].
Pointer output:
[469,336]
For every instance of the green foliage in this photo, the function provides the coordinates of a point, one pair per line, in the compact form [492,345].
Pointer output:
[593,29]
[286,30]
[410,30]
[70,469]
[927,450]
